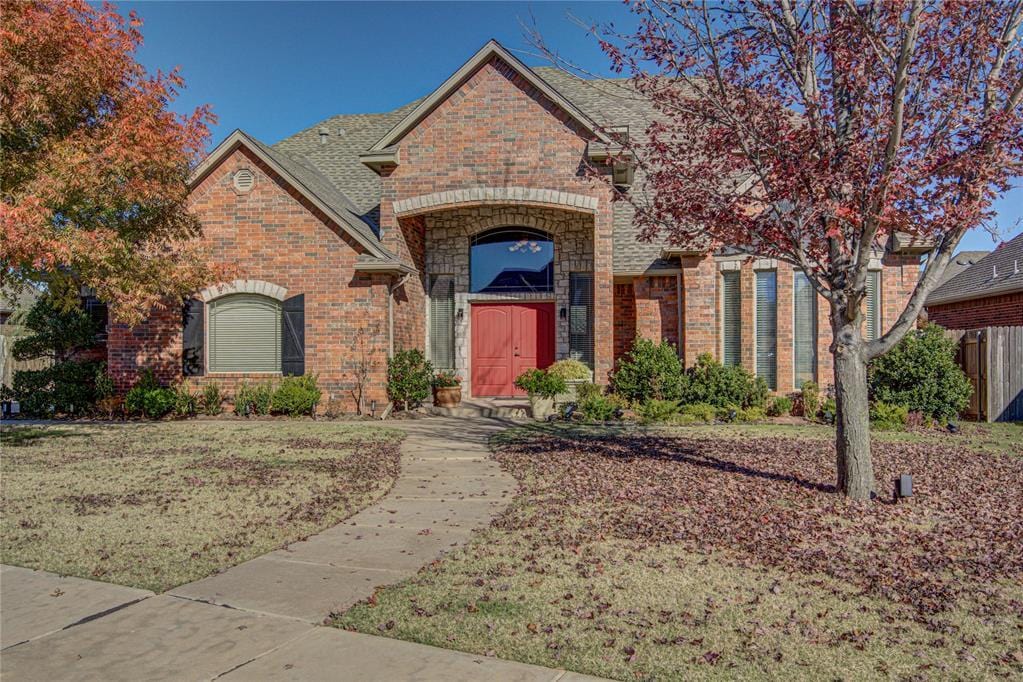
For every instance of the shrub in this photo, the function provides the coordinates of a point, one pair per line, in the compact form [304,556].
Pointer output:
[750,415]
[147,379]
[829,411]
[541,383]
[409,374]
[780,406]
[703,412]
[103,382]
[212,400]
[708,381]
[921,373]
[296,396]
[446,379]
[186,403]
[158,402]
[587,390]
[64,388]
[727,413]
[570,370]
[655,411]
[811,398]
[600,408]
[253,399]
[648,371]
[887,417]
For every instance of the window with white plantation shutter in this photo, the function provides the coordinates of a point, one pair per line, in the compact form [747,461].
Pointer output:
[873,312]
[580,317]
[244,334]
[804,338]
[767,326]
[731,318]
[442,321]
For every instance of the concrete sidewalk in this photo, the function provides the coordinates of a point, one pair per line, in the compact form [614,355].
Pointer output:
[259,620]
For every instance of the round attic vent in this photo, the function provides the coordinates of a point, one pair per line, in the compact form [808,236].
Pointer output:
[244,180]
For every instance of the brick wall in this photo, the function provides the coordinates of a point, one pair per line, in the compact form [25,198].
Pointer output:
[624,318]
[993,311]
[272,234]
[656,308]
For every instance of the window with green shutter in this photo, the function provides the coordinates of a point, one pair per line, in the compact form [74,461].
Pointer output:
[580,317]
[244,334]
[767,326]
[731,318]
[873,312]
[442,321]
[804,337]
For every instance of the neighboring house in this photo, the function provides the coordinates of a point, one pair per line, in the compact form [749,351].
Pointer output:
[466,224]
[988,293]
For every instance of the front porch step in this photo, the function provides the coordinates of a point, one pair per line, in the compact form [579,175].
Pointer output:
[494,409]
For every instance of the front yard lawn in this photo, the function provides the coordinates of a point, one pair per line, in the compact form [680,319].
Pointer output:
[155,505]
[722,552]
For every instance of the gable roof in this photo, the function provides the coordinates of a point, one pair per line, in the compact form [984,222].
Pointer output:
[999,272]
[482,56]
[960,262]
[304,177]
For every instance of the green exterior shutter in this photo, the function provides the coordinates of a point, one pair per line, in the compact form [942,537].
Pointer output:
[442,322]
[767,326]
[245,334]
[580,317]
[873,304]
[731,317]
[804,335]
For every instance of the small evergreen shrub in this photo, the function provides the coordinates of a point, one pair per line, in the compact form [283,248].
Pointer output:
[750,415]
[296,396]
[254,399]
[887,417]
[186,403]
[212,399]
[780,406]
[921,373]
[656,411]
[103,382]
[699,412]
[587,390]
[829,411]
[708,381]
[570,370]
[648,371]
[811,398]
[727,413]
[158,402]
[600,408]
[541,383]
[67,387]
[409,375]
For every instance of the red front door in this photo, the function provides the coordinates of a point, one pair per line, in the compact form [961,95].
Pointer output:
[507,339]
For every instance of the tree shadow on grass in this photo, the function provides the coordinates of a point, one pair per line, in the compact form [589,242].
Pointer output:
[20,436]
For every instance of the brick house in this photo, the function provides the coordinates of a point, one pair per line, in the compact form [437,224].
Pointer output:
[467,225]
[988,293]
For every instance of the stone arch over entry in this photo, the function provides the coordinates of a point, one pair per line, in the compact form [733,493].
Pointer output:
[243,286]
[483,196]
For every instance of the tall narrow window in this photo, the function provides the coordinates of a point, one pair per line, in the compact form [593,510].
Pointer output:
[731,318]
[767,326]
[873,312]
[442,321]
[580,317]
[244,334]
[804,337]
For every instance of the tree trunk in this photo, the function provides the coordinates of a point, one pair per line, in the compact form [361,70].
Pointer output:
[852,419]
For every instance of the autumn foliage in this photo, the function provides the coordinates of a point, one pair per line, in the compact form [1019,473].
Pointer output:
[95,167]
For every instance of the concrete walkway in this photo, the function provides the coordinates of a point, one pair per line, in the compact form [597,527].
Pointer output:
[259,620]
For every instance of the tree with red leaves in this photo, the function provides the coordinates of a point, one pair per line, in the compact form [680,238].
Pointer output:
[812,132]
[95,167]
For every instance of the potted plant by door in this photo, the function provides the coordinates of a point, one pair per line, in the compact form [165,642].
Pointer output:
[574,373]
[447,389]
[542,387]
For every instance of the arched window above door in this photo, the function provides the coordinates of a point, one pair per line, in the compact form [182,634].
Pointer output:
[511,260]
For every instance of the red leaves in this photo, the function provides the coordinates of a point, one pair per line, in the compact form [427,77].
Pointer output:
[766,501]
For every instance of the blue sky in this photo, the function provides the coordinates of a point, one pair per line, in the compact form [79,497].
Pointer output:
[273,68]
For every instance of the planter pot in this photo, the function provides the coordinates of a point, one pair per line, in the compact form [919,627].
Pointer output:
[571,394]
[541,407]
[448,396]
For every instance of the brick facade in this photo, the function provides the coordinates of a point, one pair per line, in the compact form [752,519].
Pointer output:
[993,311]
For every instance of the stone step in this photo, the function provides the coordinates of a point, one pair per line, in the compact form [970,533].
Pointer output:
[488,409]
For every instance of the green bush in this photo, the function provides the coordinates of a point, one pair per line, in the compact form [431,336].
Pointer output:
[829,411]
[702,412]
[708,381]
[186,403]
[587,390]
[539,382]
[887,417]
[446,379]
[296,396]
[780,406]
[656,411]
[921,373]
[103,382]
[146,379]
[600,408]
[811,397]
[64,388]
[727,413]
[212,399]
[648,371]
[570,370]
[750,415]
[254,399]
[409,375]
[159,402]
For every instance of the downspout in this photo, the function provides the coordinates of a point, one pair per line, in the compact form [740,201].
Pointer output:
[678,304]
[390,312]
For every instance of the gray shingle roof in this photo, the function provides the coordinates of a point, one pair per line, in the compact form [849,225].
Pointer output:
[999,272]
[960,262]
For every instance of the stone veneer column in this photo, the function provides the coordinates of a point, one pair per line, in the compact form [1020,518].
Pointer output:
[699,308]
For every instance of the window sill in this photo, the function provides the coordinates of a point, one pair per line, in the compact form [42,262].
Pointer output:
[243,374]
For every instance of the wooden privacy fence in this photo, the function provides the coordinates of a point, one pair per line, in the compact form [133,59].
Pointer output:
[992,359]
